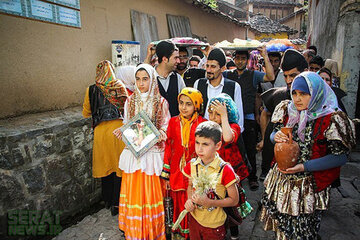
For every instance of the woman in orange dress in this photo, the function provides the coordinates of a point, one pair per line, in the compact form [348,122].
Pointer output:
[141,210]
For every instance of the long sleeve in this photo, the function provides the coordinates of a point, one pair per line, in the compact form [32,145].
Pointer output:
[165,114]
[165,174]
[126,114]
[272,137]
[86,112]
[239,104]
[324,163]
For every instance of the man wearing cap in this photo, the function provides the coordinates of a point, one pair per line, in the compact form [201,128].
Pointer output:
[293,63]
[215,83]
[249,81]
[170,82]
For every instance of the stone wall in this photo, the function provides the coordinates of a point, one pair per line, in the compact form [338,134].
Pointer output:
[334,28]
[45,164]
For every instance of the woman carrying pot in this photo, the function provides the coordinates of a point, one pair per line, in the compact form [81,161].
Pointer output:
[295,198]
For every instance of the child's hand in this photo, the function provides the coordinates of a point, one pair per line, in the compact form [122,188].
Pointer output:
[201,200]
[117,133]
[167,185]
[162,136]
[219,107]
[189,205]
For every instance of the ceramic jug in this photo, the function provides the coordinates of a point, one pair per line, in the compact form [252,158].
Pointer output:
[286,154]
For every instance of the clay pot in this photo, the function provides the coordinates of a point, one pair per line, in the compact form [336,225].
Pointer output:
[286,154]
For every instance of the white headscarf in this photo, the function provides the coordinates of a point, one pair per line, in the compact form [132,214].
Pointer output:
[127,75]
[149,101]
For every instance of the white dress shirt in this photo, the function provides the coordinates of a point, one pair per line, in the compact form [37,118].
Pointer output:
[166,81]
[215,91]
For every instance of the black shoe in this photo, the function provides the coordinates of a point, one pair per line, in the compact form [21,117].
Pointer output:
[114,210]
[262,176]
[254,185]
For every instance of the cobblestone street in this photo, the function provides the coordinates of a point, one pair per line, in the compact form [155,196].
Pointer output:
[341,222]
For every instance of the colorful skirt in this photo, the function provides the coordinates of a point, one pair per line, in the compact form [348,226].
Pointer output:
[141,209]
[179,199]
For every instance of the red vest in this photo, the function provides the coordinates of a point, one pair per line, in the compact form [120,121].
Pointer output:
[324,178]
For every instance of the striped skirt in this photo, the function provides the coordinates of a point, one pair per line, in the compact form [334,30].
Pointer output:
[141,209]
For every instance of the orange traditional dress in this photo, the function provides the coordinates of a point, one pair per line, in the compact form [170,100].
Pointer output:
[141,210]
[179,150]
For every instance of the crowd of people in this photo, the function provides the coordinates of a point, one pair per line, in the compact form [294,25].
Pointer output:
[214,110]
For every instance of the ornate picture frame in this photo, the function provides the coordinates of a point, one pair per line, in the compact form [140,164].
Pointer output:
[140,134]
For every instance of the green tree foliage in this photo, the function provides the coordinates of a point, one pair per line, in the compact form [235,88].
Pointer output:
[210,3]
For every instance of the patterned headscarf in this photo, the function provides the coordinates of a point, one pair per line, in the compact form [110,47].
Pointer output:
[149,101]
[195,96]
[323,102]
[232,111]
[112,88]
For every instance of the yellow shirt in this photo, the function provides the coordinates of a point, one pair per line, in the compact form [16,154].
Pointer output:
[216,217]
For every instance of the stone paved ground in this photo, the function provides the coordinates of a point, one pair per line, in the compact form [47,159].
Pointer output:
[341,222]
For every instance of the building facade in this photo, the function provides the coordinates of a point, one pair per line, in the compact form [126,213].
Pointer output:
[47,66]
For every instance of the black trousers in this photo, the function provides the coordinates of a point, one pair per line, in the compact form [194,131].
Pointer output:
[249,136]
[268,149]
[110,189]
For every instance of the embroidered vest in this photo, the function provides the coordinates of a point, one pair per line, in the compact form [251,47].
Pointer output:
[101,108]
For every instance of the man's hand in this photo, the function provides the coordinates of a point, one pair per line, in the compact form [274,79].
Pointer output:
[262,50]
[206,51]
[260,145]
[150,52]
